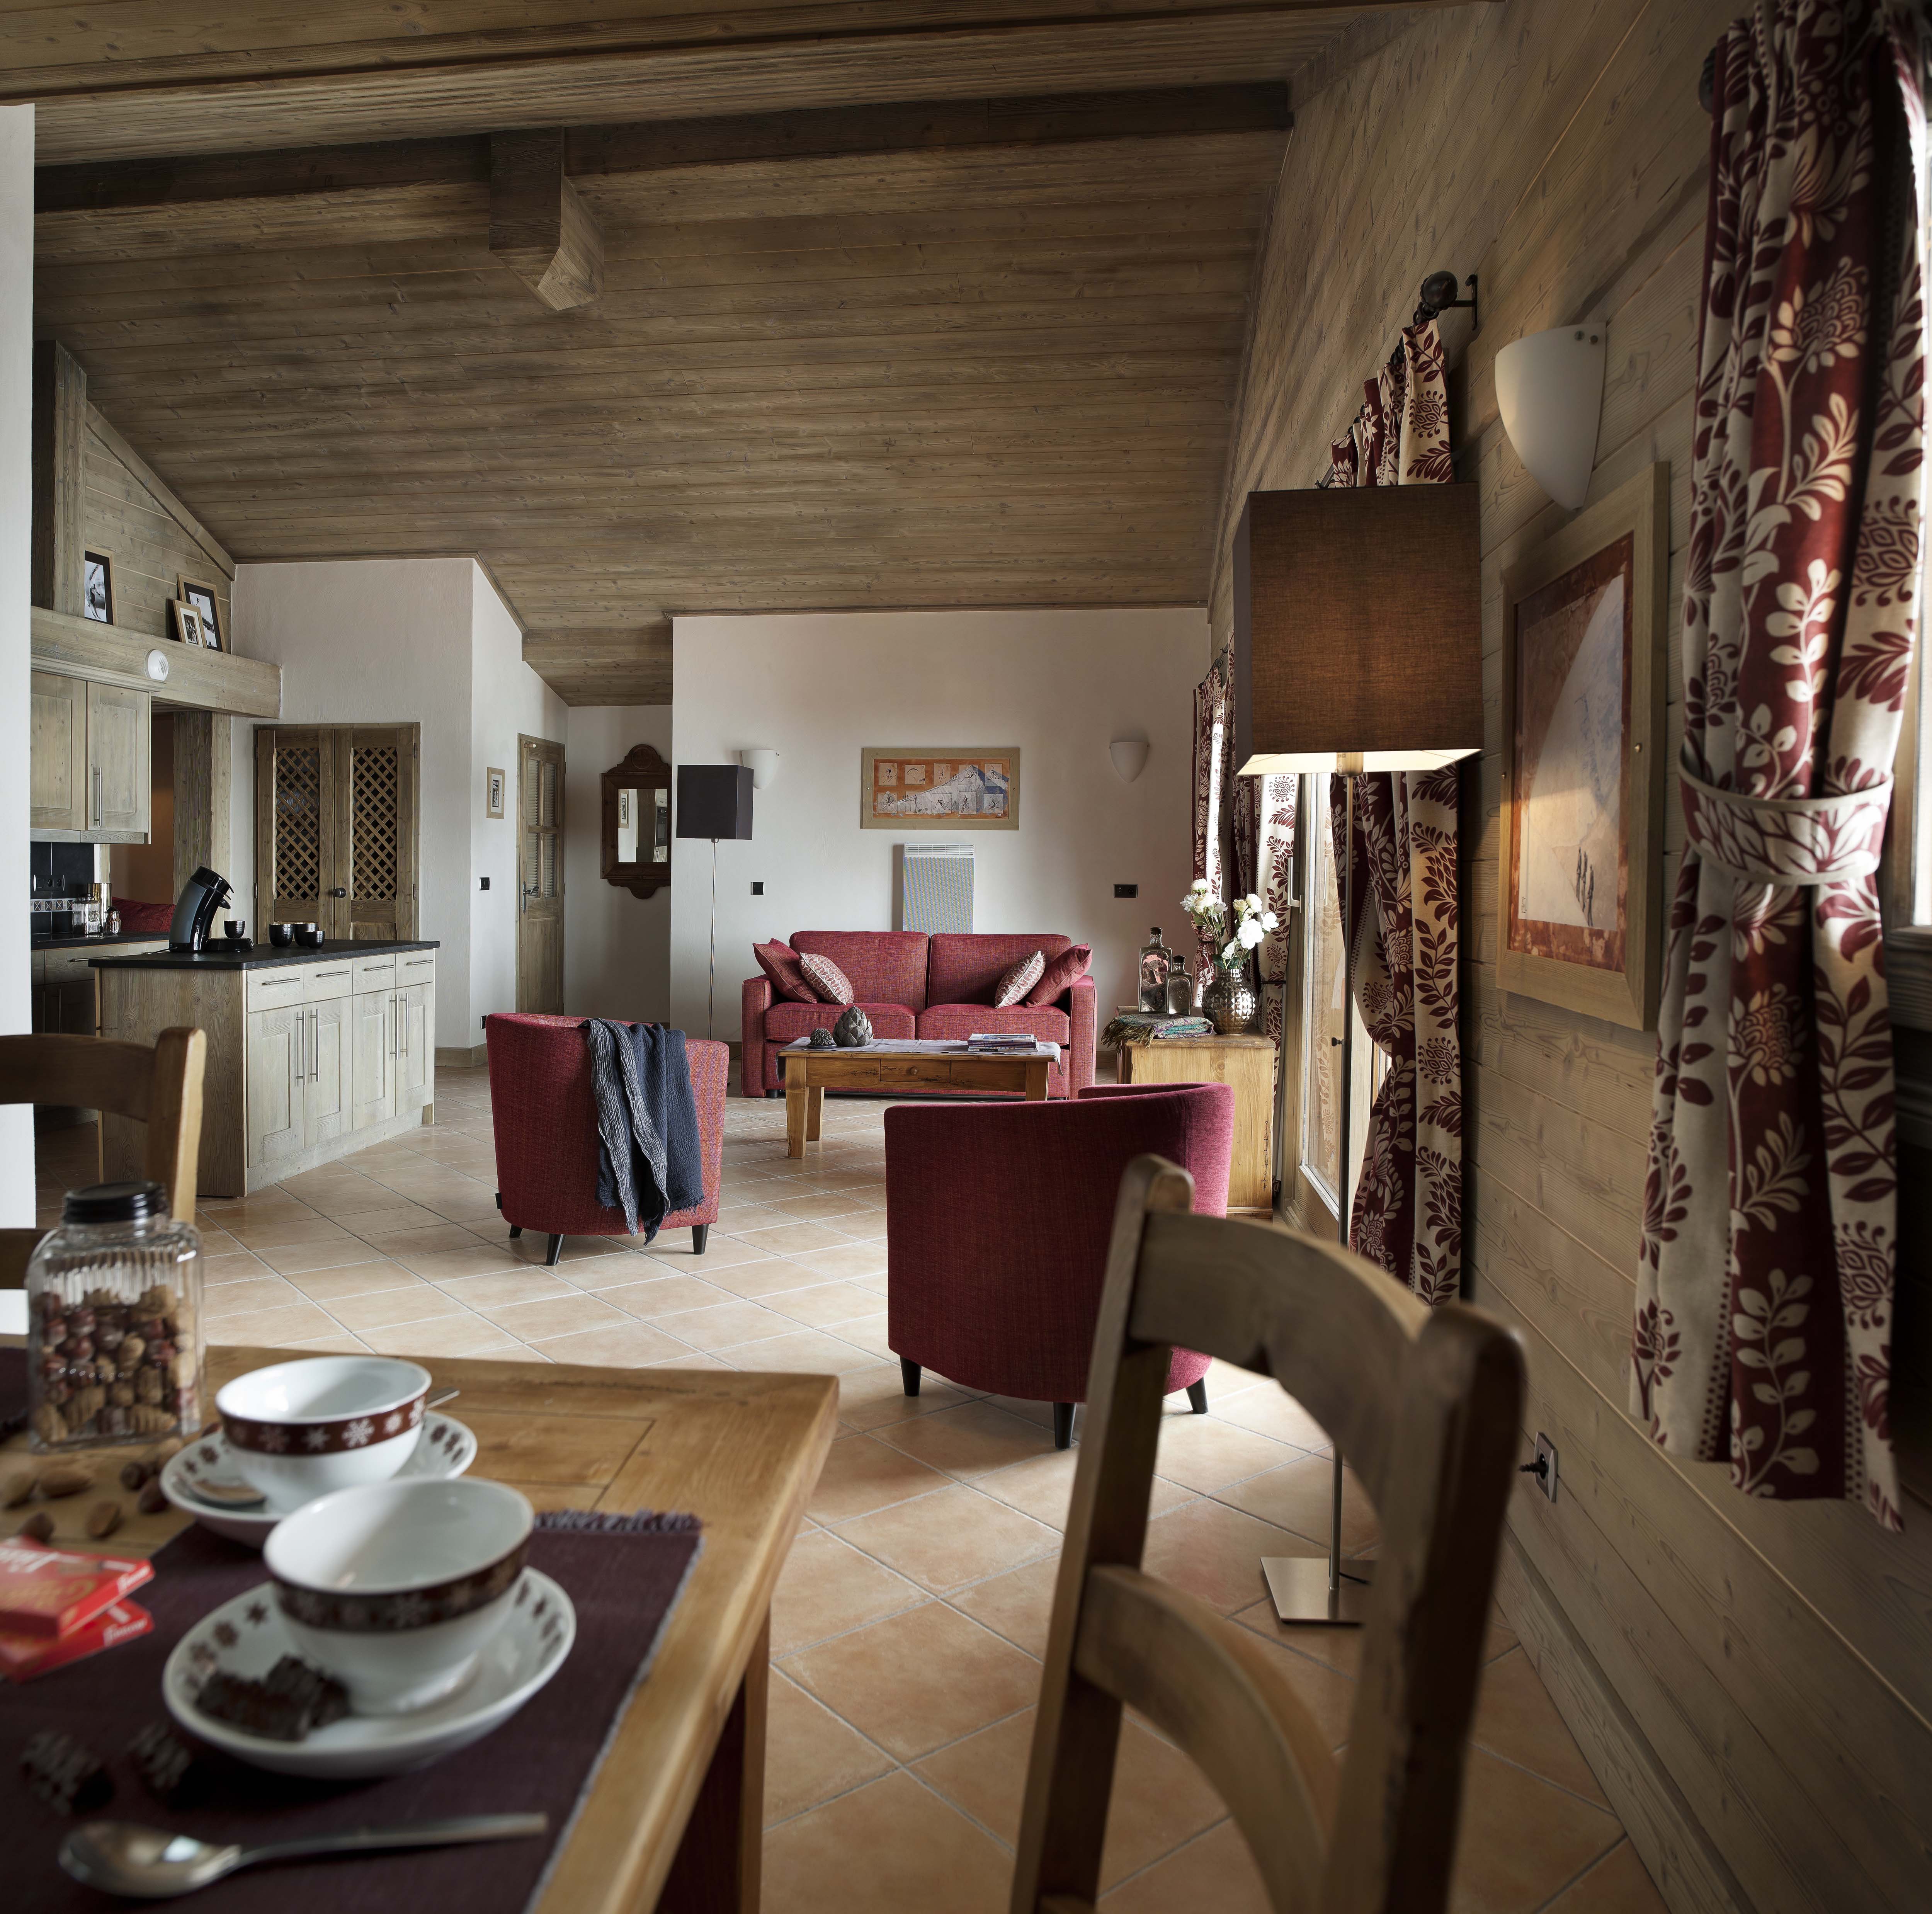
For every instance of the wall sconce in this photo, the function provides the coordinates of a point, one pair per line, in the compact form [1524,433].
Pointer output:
[1549,390]
[763,765]
[1129,756]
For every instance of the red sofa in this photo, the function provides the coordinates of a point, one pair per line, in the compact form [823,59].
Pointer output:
[912,984]
[998,1221]
[546,1122]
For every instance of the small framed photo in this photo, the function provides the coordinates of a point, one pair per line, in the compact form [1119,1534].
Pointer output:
[493,789]
[183,622]
[192,591]
[96,587]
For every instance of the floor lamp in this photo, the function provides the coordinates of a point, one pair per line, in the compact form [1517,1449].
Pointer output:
[714,801]
[1358,647]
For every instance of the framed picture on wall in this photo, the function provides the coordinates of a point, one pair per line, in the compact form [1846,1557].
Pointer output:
[1585,619]
[96,587]
[493,781]
[192,591]
[970,788]
[184,622]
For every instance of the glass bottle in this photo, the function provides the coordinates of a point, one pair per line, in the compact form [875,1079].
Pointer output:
[114,1337]
[1156,962]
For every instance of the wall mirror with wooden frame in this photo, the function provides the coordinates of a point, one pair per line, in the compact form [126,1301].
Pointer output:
[637,823]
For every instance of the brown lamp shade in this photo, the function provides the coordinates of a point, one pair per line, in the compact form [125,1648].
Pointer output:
[1358,629]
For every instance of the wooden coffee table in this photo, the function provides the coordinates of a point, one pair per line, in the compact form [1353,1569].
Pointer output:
[899,1063]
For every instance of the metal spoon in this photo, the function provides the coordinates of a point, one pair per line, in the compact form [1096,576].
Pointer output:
[151,1863]
[226,1492]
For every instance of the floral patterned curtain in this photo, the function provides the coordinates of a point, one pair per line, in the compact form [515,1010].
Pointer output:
[1402,942]
[1213,746]
[1763,1325]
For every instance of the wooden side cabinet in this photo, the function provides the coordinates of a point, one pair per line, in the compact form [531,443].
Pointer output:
[1247,1064]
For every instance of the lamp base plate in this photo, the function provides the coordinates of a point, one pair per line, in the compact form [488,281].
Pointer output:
[1299,1585]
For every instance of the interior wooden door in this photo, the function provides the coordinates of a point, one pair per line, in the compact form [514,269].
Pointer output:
[374,890]
[539,875]
[294,827]
[337,822]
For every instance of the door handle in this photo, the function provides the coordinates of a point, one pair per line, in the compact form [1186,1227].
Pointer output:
[96,816]
[301,1048]
[340,890]
[315,1046]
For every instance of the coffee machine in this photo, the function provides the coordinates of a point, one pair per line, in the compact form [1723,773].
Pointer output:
[204,894]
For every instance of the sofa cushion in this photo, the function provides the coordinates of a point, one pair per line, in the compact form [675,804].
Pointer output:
[965,966]
[779,962]
[953,1023]
[829,984]
[786,1023]
[1014,984]
[886,967]
[1061,974]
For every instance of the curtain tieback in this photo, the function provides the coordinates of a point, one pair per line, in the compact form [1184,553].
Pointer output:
[1786,840]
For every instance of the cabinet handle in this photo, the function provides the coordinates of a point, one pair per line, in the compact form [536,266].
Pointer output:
[301,1046]
[315,1046]
[96,817]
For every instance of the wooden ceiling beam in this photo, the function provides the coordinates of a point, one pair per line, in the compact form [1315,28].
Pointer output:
[539,226]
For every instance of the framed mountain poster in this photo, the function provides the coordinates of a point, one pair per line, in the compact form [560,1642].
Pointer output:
[974,788]
[1584,623]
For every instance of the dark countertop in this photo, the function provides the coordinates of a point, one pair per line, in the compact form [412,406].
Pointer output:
[103,937]
[264,956]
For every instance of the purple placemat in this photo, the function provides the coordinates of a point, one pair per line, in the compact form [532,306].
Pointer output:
[623,1586]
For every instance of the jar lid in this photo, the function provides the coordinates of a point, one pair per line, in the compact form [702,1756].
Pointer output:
[115,1202]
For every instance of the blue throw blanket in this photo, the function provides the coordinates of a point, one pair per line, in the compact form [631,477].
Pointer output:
[650,1163]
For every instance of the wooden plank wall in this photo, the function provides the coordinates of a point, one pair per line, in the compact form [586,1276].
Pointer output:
[150,536]
[1752,1680]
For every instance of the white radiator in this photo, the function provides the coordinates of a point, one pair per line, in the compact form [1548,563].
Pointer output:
[936,887]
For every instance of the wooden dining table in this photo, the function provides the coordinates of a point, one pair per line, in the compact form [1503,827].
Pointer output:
[674,1818]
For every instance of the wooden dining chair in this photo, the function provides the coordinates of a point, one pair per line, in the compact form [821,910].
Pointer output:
[1426,1406]
[160,1087]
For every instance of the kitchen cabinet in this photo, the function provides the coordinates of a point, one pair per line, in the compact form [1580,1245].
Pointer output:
[307,1060]
[90,771]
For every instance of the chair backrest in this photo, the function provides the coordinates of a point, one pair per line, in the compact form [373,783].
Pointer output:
[160,1087]
[1426,1407]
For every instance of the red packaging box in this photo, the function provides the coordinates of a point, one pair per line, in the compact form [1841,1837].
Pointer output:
[22,1657]
[47,1592]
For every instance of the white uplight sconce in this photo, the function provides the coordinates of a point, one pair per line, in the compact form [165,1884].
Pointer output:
[763,765]
[1549,390]
[1129,756]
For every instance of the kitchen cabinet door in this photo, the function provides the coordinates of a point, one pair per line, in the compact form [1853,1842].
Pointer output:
[330,1095]
[58,782]
[372,1063]
[276,1064]
[120,738]
[415,1045]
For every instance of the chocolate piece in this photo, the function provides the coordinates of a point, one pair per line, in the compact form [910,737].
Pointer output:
[38,1527]
[325,1698]
[64,1775]
[168,1768]
[153,1498]
[291,1703]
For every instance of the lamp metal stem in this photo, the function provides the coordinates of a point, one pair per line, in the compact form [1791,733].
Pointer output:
[711,970]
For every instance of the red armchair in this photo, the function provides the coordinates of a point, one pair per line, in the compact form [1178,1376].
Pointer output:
[998,1217]
[546,1122]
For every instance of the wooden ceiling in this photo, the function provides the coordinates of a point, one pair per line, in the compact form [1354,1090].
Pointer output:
[861,305]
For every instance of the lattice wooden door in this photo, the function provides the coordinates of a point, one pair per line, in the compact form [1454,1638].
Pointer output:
[539,874]
[337,820]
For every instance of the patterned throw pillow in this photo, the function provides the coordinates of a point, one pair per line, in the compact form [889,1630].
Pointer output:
[779,962]
[827,980]
[1011,989]
[1061,975]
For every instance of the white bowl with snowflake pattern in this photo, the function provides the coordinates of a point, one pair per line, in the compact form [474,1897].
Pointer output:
[395,1588]
[296,1430]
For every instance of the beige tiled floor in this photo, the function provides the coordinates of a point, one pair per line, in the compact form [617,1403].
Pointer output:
[907,1624]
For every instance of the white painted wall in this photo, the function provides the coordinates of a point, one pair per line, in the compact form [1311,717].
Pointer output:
[819,689]
[617,948]
[16,364]
[396,641]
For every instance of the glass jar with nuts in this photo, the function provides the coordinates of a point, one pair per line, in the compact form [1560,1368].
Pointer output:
[114,1347]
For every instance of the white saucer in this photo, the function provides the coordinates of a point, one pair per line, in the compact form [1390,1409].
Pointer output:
[245,1636]
[444,1448]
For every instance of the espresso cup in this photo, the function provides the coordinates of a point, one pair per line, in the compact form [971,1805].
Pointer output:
[309,936]
[396,1587]
[296,1430]
[235,929]
[281,935]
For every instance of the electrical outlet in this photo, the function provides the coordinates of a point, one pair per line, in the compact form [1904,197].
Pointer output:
[1544,1467]
[758,890]
[1126,890]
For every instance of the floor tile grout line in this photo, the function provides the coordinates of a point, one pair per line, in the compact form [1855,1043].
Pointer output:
[1589,1867]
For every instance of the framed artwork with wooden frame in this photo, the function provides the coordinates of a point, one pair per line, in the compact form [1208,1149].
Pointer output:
[208,609]
[96,587]
[927,787]
[183,622]
[1585,625]
[637,823]
[494,782]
